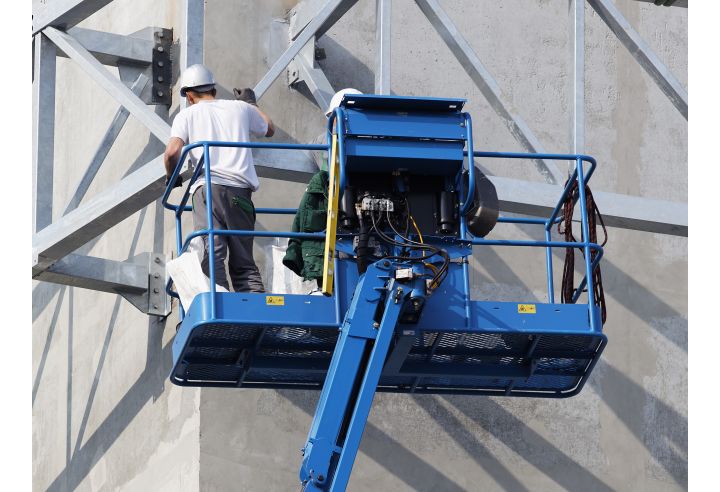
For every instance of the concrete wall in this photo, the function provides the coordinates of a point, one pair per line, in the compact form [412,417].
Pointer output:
[105,417]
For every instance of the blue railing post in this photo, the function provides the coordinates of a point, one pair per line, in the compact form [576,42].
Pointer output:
[340,127]
[178,241]
[548,263]
[469,196]
[579,174]
[210,228]
[586,240]
[329,131]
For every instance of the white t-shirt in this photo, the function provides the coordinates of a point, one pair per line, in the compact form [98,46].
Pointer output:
[228,121]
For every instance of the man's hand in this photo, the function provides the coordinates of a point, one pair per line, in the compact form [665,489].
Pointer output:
[178,181]
[247,95]
[172,154]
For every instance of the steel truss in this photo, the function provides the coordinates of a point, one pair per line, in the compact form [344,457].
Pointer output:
[55,35]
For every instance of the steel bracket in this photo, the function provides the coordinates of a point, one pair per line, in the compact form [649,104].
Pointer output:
[154,300]
[162,67]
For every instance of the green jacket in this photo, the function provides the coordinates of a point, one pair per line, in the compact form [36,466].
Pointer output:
[305,256]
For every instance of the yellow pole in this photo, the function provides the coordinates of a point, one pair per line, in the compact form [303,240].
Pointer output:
[332,212]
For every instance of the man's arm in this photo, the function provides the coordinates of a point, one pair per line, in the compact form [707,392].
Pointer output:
[248,95]
[172,154]
[271,127]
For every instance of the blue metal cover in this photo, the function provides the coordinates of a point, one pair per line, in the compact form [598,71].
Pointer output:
[390,133]
[412,125]
[402,103]
[365,155]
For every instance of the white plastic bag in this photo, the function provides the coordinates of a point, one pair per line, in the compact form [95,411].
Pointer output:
[187,275]
[280,278]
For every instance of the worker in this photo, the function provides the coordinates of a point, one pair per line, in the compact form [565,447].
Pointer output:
[232,172]
[305,256]
[319,156]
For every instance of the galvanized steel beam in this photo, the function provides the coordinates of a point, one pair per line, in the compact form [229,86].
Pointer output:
[669,3]
[192,36]
[98,274]
[140,280]
[578,18]
[98,214]
[63,13]
[147,184]
[44,70]
[488,86]
[325,18]
[622,211]
[111,49]
[110,83]
[138,190]
[288,165]
[313,76]
[383,22]
[639,49]
[307,10]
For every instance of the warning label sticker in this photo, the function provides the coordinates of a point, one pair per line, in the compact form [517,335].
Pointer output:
[526,309]
[275,300]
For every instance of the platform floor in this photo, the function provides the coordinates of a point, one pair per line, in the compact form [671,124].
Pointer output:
[291,345]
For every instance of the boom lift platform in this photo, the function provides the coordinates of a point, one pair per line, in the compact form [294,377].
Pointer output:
[406,206]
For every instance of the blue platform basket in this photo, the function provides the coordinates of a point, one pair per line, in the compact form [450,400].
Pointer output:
[457,345]
[549,353]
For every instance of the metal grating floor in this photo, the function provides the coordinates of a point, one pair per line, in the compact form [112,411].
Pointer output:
[513,364]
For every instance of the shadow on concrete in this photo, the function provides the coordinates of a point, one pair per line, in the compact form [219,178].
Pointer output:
[630,294]
[149,385]
[343,69]
[43,292]
[69,390]
[499,270]
[661,429]
[86,456]
[152,149]
[527,443]
[96,378]
[639,300]
[417,473]
[470,443]
[106,343]
[49,337]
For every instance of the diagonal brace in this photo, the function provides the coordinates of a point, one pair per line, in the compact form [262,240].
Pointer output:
[488,86]
[639,49]
[110,83]
[63,13]
[319,21]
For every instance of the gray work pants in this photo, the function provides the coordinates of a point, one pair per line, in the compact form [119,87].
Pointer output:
[232,210]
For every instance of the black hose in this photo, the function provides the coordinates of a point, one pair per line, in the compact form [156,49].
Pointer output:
[565,228]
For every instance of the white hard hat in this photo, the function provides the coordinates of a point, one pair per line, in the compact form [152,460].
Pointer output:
[335,101]
[198,78]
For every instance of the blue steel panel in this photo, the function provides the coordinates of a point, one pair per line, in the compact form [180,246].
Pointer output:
[490,316]
[402,103]
[247,309]
[291,346]
[405,125]
[420,157]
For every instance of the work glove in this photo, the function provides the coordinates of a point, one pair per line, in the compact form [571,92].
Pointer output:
[247,95]
[178,181]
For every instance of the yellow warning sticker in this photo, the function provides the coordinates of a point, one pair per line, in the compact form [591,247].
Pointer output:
[275,300]
[526,309]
